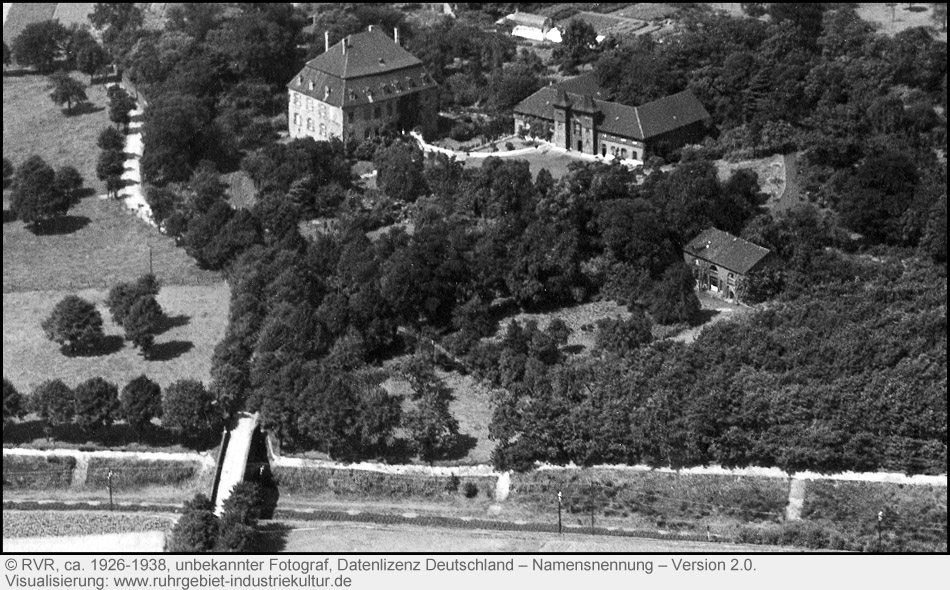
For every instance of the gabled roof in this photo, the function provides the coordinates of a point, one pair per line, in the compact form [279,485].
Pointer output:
[670,113]
[367,53]
[528,20]
[372,68]
[726,250]
[641,123]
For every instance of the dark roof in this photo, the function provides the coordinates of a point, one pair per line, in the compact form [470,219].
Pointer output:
[372,68]
[367,53]
[644,122]
[670,113]
[726,250]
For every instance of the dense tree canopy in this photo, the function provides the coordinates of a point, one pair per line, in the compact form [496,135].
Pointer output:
[39,45]
[74,323]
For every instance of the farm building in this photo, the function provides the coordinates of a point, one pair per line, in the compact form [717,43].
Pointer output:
[721,261]
[531,26]
[360,86]
[573,115]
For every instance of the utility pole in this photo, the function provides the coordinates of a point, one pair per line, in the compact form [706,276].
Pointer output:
[591,496]
[559,497]
[150,259]
[111,506]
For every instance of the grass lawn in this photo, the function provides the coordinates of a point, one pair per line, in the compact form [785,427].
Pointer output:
[100,243]
[198,321]
[471,406]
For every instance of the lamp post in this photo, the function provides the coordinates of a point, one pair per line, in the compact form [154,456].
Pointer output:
[559,498]
[111,506]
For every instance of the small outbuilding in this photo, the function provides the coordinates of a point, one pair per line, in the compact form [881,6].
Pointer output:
[722,261]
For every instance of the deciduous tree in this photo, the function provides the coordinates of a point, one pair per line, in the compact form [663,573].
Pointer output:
[74,323]
[141,400]
[39,44]
[66,90]
[97,404]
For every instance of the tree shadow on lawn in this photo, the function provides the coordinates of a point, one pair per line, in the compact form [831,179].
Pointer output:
[573,349]
[85,108]
[175,321]
[273,536]
[464,443]
[60,226]
[108,345]
[8,216]
[166,351]
[704,315]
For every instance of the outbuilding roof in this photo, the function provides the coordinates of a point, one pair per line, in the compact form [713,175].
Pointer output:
[641,123]
[726,250]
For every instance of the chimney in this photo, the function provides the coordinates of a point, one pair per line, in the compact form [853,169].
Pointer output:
[370,28]
[326,40]
[396,35]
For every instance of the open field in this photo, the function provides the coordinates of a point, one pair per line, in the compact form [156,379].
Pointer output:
[104,244]
[32,124]
[198,321]
[100,242]
[648,11]
[905,16]
[37,523]
[332,537]
[17,15]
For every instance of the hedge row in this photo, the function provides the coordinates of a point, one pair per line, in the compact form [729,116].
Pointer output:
[131,473]
[372,484]
[37,473]
[666,499]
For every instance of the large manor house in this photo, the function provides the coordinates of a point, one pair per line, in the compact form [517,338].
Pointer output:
[359,87]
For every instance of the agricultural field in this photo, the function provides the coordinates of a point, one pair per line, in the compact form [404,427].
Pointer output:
[17,15]
[914,519]
[652,499]
[197,321]
[37,473]
[74,13]
[58,523]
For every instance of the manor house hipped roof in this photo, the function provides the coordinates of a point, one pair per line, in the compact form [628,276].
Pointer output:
[370,68]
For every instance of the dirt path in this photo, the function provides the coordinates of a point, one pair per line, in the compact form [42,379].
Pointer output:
[792,195]
[796,500]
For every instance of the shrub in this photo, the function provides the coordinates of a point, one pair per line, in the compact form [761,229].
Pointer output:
[623,337]
[74,323]
[470,490]
[195,532]
[124,295]
[236,537]
[12,401]
[244,503]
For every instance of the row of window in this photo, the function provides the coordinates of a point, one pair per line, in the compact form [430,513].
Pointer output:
[310,125]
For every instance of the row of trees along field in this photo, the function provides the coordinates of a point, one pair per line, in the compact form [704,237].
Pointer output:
[185,407]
